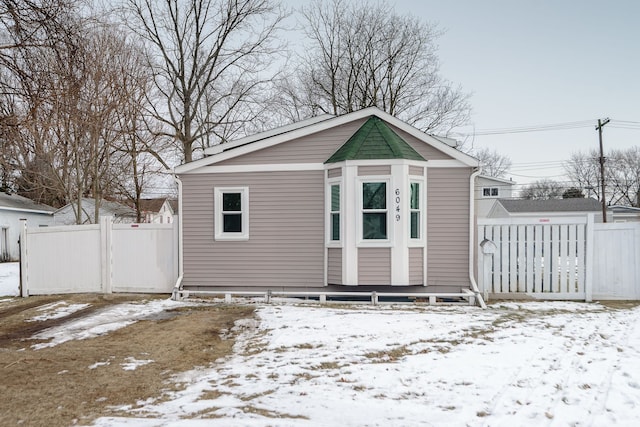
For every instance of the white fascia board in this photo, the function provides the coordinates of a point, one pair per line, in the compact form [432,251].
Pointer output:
[499,180]
[4,208]
[219,148]
[325,124]
[428,139]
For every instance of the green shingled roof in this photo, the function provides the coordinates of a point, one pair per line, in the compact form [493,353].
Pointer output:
[374,140]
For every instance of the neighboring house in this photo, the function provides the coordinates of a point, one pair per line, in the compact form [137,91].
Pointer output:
[361,199]
[488,190]
[66,215]
[619,213]
[158,211]
[13,208]
[545,210]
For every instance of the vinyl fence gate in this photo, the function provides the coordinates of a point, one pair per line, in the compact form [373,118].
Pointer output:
[562,259]
[100,258]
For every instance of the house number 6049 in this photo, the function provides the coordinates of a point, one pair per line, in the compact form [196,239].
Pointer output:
[397,207]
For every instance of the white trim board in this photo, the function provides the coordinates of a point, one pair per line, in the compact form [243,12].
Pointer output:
[325,124]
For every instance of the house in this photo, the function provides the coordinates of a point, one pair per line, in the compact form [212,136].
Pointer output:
[13,208]
[619,213]
[66,215]
[361,201]
[159,210]
[545,210]
[488,190]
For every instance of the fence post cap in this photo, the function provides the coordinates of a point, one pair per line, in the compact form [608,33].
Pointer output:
[488,247]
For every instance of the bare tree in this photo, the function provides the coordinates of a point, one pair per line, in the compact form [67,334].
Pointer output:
[211,60]
[583,169]
[39,38]
[622,175]
[542,189]
[363,54]
[492,162]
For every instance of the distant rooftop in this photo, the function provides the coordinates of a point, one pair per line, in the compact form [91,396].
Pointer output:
[15,202]
[551,205]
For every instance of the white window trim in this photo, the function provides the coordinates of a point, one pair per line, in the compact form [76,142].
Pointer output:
[328,222]
[244,201]
[372,243]
[490,191]
[419,242]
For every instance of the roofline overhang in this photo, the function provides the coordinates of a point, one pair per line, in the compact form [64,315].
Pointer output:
[5,208]
[492,178]
[248,145]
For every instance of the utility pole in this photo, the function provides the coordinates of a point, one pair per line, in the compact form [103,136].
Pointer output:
[601,123]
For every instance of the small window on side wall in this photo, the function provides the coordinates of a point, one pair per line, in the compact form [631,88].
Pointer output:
[231,209]
[490,192]
[415,208]
[335,212]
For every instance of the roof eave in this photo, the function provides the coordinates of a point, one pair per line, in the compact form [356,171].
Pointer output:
[246,147]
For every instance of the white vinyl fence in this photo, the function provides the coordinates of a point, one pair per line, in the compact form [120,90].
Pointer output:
[103,258]
[565,258]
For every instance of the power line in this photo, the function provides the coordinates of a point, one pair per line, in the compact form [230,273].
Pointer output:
[618,124]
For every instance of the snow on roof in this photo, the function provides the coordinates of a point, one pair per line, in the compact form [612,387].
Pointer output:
[19,203]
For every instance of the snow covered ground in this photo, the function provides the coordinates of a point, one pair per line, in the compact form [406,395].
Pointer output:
[9,279]
[514,364]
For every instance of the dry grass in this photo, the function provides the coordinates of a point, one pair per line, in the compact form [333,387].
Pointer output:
[55,386]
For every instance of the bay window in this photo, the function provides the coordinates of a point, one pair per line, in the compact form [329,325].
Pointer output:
[374,211]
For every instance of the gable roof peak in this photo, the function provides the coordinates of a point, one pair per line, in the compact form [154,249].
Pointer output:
[374,140]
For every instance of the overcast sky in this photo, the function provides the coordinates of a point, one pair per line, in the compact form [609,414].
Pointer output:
[532,63]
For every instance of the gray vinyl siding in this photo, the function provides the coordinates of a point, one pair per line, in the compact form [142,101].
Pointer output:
[315,148]
[448,226]
[374,170]
[334,173]
[425,150]
[286,231]
[374,266]
[416,266]
[334,266]
[416,170]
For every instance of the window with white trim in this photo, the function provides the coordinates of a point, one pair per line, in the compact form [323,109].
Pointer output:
[231,209]
[415,211]
[334,213]
[374,211]
[490,192]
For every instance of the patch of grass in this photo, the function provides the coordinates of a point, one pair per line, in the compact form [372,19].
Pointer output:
[175,343]
[328,366]
[306,346]
[305,376]
[389,356]
[211,395]
[249,397]
[271,414]
[620,305]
